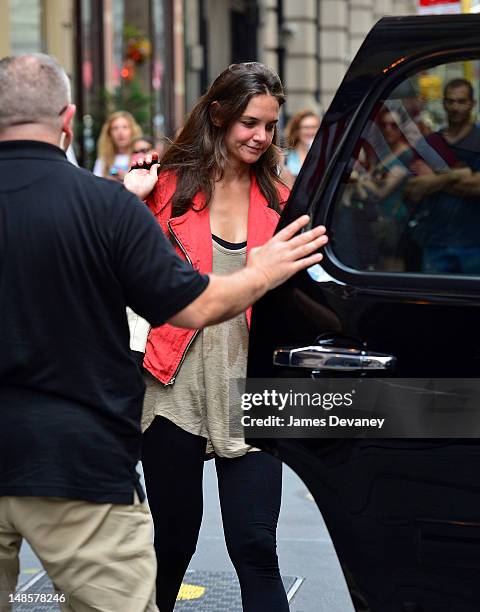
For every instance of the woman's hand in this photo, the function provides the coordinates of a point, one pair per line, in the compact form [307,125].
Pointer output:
[142,177]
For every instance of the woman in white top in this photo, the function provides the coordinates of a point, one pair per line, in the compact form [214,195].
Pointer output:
[115,145]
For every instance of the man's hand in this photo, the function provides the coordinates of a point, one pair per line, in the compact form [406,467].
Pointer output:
[267,267]
[285,254]
[142,177]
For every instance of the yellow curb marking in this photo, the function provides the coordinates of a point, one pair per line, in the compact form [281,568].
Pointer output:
[31,570]
[190,591]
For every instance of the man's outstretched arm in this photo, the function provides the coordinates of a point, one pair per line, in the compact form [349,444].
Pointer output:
[267,267]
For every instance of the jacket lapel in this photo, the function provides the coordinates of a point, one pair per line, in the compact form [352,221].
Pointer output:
[193,231]
[193,228]
[262,220]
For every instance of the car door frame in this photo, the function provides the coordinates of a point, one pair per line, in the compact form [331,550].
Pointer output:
[323,204]
[323,201]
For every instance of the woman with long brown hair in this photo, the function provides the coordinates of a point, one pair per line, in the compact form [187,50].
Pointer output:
[217,196]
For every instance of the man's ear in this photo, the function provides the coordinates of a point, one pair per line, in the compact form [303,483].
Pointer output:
[67,126]
[214,111]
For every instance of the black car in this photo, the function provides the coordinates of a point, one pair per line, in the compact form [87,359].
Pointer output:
[394,174]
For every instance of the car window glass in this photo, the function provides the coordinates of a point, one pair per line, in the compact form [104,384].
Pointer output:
[411,199]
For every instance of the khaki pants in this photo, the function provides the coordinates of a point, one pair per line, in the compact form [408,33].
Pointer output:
[100,555]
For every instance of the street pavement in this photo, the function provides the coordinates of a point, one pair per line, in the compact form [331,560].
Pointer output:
[304,548]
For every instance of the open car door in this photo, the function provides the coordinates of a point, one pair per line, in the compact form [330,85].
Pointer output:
[398,295]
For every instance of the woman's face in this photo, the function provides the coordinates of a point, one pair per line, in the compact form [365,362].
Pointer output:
[307,129]
[251,135]
[389,124]
[121,133]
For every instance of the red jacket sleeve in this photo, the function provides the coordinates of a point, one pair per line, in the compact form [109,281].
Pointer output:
[160,199]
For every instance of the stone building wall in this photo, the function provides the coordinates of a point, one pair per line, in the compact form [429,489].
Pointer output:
[318,39]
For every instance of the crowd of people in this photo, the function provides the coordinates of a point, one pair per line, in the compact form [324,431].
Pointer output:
[412,191]
[77,250]
[122,143]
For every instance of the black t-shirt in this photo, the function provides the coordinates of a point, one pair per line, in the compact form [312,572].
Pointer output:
[448,220]
[75,250]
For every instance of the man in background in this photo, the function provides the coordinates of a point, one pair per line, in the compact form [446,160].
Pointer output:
[447,211]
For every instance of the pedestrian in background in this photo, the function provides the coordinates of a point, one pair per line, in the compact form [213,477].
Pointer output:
[114,147]
[141,146]
[217,197]
[445,201]
[72,257]
[299,134]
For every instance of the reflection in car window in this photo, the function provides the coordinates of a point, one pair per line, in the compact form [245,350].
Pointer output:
[411,202]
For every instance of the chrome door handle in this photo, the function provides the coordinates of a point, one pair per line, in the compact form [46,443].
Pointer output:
[332,358]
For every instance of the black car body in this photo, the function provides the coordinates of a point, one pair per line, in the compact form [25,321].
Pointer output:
[403,512]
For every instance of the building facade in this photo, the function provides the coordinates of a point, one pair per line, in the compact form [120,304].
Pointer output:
[309,42]
[155,57]
[125,54]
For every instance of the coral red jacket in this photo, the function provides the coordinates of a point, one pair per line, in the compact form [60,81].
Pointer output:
[167,345]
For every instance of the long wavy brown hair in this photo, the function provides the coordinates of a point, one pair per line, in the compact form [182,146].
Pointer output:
[198,155]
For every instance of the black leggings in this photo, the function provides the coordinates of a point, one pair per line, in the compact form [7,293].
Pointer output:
[250,490]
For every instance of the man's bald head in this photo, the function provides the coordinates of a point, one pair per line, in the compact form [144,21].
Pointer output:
[34,91]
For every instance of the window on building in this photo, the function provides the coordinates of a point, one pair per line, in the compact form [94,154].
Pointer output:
[122,52]
[27,26]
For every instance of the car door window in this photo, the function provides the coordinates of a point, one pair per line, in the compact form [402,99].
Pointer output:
[411,199]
